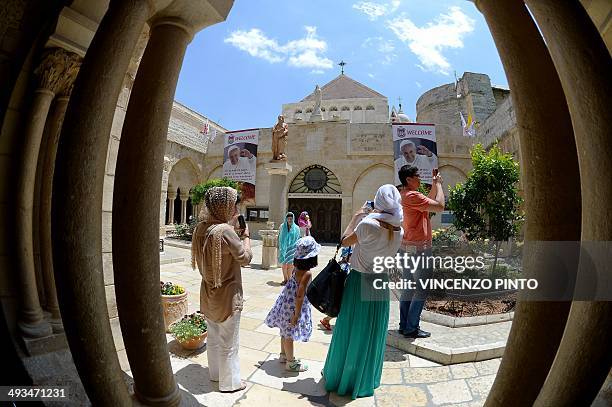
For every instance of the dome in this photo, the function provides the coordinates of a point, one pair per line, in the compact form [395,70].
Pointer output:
[402,117]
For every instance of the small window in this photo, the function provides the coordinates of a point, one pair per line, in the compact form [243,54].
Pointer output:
[345,108]
[357,108]
[298,111]
[333,109]
[370,107]
[322,109]
[309,110]
[257,214]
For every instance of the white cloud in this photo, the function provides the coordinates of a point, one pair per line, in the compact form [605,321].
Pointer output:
[371,75]
[385,47]
[429,41]
[375,10]
[418,84]
[306,52]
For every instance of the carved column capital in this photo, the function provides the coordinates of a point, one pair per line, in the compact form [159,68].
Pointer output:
[73,64]
[50,70]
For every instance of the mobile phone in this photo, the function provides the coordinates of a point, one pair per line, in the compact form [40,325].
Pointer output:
[435,172]
[241,222]
[368,206]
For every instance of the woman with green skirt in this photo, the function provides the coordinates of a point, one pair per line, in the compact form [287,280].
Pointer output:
[355,357]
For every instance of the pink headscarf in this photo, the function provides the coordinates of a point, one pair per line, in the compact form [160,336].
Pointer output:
[302,221]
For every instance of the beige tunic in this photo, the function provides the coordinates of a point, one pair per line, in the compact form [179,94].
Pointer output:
[218,304]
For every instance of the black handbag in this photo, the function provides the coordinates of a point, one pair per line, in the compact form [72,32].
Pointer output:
[325,291]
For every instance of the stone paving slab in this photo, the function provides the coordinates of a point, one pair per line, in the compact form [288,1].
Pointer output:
[407,378]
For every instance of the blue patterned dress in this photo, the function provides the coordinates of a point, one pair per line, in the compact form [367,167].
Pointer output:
[283,309]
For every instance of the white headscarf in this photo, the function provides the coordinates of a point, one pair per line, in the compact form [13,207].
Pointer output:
[389,202]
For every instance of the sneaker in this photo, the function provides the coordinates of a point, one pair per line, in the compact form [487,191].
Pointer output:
[296,365]
[419,333]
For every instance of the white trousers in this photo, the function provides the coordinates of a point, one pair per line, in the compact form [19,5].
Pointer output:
[222,351]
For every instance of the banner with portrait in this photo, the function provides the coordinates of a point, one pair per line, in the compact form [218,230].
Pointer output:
[240,160]
[415,144]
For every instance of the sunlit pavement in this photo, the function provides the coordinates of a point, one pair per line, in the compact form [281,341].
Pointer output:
[407,380]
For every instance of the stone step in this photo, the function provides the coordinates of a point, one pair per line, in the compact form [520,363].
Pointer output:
[455,345]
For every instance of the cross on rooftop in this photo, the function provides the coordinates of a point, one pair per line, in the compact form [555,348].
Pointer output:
[342,63]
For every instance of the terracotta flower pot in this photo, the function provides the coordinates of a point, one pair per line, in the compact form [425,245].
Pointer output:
[175,306]
[194,343]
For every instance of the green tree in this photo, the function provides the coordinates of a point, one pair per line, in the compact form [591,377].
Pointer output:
[198,191]
[487,205]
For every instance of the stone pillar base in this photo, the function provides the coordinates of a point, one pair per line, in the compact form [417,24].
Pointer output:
[269,251]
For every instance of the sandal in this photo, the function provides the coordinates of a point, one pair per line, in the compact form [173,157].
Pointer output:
[296,365]
[243,386]
[326,324]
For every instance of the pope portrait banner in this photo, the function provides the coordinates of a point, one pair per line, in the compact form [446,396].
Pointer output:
[415,144]
[240,160]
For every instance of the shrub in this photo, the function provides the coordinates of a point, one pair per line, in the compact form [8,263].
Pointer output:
[198,191]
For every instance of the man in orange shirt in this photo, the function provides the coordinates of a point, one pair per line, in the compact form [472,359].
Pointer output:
[417,241]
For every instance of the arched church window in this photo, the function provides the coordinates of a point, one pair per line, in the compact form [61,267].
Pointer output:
[333,109]
[309,110]
[315,179]
[357,108]
[345,108]
[369,107]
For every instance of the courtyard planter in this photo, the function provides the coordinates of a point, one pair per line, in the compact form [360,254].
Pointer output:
[174,303]
[191,331]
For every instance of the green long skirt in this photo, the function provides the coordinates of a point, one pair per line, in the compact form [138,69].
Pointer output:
[355,357]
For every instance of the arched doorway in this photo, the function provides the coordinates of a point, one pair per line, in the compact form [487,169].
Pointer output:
[317,191]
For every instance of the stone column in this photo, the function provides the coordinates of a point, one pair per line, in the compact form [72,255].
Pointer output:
[77,201]
[278,171]
[269,251]
[171,199]
[48,73]
[184,198]
[545,135]
[136,253]
[584,65]
[47,160]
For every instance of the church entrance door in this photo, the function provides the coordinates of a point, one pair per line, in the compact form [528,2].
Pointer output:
[325,215]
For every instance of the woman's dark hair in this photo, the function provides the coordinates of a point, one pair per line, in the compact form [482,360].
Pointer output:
[306,264]
[238,198]
[407,171]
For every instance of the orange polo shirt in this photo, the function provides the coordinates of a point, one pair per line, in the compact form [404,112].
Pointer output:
[417,225]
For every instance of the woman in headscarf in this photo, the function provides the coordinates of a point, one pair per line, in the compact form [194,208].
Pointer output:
[304,224]
[288,235]
[355,357]
[219,252]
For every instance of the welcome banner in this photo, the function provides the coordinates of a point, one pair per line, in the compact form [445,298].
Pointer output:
[240,160]
[415,144]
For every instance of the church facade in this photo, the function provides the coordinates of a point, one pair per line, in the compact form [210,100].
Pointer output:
[339,162]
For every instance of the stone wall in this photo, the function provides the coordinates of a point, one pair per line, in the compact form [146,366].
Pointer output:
[357,110]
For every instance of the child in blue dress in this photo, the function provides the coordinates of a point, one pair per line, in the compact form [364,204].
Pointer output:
[291,311]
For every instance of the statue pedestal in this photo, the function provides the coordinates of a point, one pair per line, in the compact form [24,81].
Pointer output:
[278,170]
[316,116]
[269,251]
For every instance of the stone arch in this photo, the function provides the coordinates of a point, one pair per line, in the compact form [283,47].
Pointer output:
[369,181]
[451,175]
[216,172]
[330,184]
[184,174]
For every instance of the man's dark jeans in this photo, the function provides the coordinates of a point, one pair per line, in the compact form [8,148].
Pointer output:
[413,301]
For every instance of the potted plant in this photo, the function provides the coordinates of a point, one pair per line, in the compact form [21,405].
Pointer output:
[191,331]
[174,303]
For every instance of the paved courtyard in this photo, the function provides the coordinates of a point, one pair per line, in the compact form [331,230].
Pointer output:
[407,380]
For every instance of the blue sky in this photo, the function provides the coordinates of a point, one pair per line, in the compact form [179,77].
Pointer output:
[270,52]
